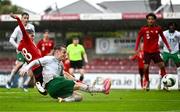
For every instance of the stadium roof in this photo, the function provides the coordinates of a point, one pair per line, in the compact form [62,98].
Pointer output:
[131,6]
[126,6]
[81,6]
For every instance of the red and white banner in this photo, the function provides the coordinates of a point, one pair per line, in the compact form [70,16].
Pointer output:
[61,17]
[138,16]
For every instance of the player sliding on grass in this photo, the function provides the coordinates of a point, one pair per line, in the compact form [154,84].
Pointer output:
[53,80]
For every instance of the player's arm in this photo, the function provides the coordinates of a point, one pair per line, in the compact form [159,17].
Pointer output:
[140,33]
[134,57]
[164,39]
[29,66]
[84,54]
[68,76]
[13,37]
[20,25]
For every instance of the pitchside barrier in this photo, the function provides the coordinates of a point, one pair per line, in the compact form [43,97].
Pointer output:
[123,81]
[119,81]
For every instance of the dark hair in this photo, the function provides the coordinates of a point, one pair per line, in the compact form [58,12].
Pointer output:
[172,24]
[46,30]
[24,13]
[151,14]
[59,47]
[75,38]
[29,30]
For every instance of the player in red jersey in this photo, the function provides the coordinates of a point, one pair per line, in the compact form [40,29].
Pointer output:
[46,44]
[150,34]
[28,49]
[66,64]
[139,56]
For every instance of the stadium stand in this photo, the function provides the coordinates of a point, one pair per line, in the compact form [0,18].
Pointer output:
[118,65]
[98,65]
[6,64]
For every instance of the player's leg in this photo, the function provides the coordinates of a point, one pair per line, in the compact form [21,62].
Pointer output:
[141,73]
[72,67]
[28,79]
[37,73]
[165,56]
[75,97]
[92,89]
[147,60]
[71,71]
[15,69]
[158,60]
[80,69]
[146,76]
[21,78]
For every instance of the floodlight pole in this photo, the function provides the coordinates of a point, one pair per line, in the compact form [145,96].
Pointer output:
[163,6]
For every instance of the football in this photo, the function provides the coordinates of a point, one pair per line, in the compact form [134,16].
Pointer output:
[169,80]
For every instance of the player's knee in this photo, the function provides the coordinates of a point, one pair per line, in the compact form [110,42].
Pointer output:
[161,64]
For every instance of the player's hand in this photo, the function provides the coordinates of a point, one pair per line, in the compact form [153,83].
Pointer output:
[13,16]
[86,61]
[130,57]
[23,71]
[169,50]
[136,51]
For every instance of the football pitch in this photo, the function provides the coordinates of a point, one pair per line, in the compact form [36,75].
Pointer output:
[15,100]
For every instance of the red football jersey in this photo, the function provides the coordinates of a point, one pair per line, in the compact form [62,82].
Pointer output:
[140,58]
[27,46]
[45,46]
[150,38]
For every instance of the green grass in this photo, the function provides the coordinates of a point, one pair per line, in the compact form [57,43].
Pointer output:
[117,101]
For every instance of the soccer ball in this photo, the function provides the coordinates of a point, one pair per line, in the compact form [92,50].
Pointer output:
[169,80]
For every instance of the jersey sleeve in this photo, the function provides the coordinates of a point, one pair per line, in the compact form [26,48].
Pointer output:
[25,35]
[13,37]
[140,34]
[163,38]
[15,33]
